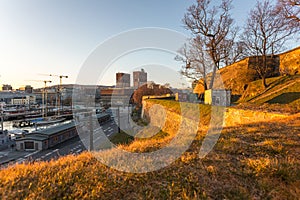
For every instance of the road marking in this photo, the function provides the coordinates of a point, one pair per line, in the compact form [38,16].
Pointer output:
[31,154]
[55,150]
[48,154]
[98,138]
[78,151]
[20,160]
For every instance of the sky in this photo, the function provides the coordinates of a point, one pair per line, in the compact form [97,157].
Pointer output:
[40,37]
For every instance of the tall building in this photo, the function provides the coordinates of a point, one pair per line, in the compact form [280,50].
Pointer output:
[122,80]
[139,78]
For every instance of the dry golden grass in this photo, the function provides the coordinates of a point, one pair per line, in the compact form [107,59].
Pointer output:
[253,161]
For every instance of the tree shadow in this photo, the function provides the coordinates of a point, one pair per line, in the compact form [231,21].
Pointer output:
[285,98]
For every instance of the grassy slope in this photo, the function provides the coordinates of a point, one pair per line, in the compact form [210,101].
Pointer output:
[254,161]
[283,92]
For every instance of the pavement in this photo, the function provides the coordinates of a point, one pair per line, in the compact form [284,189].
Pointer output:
[10,154]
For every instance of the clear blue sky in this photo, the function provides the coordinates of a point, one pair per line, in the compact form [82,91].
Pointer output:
[57,36]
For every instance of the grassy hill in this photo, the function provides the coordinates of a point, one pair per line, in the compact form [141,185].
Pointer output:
[239,75]
[282,94]
[253,161]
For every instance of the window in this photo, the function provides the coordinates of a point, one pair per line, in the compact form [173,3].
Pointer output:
[29,145]
[213,100]
[36,146]
[217,100]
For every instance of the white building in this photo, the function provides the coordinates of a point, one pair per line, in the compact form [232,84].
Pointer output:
[217,97]
[28,99]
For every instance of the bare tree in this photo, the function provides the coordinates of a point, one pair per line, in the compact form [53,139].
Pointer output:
[290,9]
[211,25]
[265,34]
[196,61]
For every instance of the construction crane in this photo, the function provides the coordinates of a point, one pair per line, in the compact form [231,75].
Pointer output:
[44,96]
[59,103]
[59,92]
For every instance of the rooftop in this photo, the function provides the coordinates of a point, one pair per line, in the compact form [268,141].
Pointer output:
[33,137]
[54,130]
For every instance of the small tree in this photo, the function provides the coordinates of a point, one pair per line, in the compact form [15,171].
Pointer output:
[265,34]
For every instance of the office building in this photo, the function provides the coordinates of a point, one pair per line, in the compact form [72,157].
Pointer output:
[122,80]
[6,87]
[139,78]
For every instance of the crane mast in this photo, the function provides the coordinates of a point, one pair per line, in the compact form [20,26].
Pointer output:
[59,92]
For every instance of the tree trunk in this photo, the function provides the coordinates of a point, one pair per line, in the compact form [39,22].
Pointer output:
[204,83]
[265,85]
[213,74]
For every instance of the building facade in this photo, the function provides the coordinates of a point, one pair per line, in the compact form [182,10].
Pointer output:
[26,100]
[122,80]
[217,97]
[28,89]
[6,87]
[139,78]
[46,138]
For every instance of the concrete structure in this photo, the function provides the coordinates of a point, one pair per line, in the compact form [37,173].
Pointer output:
[122,80]
[217,97]
[116,95]
[28,99]
[186,97]
[181,97]
[139,78]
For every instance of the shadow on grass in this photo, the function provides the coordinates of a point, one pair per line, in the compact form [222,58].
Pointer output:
[285,98]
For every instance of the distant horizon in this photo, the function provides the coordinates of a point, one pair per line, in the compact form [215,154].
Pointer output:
[114,85]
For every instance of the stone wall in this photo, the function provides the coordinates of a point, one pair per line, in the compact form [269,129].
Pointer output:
[290,62]
[170,121]
[235,117]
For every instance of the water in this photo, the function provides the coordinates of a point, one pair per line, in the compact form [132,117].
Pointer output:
[8,125]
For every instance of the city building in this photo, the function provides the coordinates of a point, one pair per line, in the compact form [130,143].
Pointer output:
[24,100]
[49,137]
[3,137]
[139,78]
[122,80]
[46,138]
[28,89]
[6,87]
[116,95]
[7,96]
